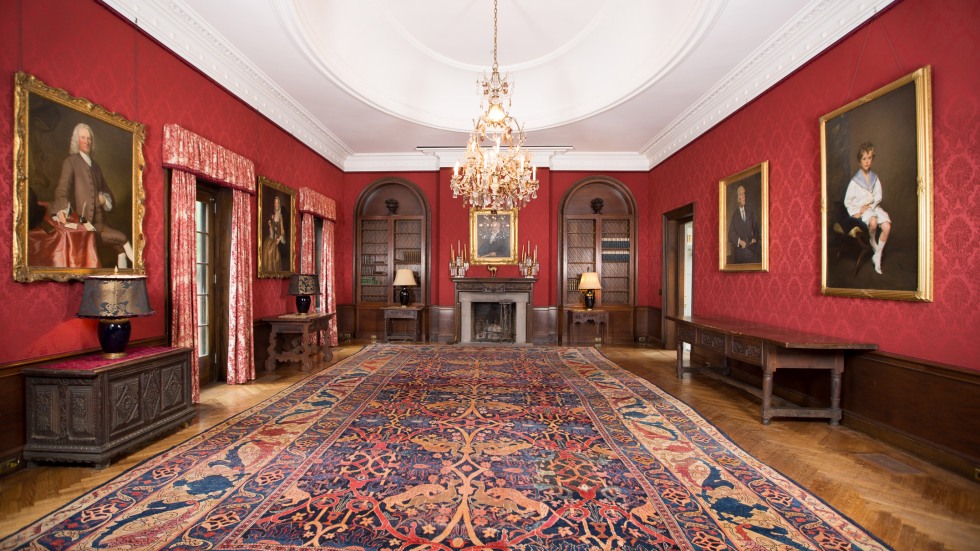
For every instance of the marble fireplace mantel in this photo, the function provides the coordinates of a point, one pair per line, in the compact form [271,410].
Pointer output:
[469,290]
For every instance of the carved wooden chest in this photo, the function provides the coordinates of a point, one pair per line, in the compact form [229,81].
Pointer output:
[88,410]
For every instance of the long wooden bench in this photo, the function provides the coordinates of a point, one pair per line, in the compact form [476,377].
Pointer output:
[771,349]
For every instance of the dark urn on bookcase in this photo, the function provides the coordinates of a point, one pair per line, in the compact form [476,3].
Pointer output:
[303,286]
[113,299]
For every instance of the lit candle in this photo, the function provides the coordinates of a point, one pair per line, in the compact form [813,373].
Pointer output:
[456,169]
[535,253]
[534,172]
[452,253]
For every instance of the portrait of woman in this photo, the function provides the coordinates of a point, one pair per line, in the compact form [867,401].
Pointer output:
[275,238]
[276,228]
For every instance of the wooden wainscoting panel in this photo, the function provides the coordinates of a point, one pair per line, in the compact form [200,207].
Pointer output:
[928,409]
[346,325]
[12,420]
[544,325]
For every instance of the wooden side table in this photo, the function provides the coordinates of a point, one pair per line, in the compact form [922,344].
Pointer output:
[411,314]
[91,409]
[582,316]
[305,346]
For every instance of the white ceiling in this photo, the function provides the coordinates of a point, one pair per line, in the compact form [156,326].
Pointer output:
[598,84]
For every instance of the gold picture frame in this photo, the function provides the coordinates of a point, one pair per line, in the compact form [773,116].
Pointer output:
[58,235]
[488,246]
[276,231]
[892,129]
[743,220]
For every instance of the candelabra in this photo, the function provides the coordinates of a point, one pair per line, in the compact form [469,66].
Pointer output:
[458,263]
[528,263]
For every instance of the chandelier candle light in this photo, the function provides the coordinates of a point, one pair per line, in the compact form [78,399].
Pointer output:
[496,173]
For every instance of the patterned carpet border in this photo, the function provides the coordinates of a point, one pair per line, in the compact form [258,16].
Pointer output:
[447,448]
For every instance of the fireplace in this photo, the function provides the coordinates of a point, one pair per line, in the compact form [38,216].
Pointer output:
[493,310]
[493,321]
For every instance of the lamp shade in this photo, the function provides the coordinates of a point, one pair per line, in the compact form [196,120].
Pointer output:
[303,284]
[590,280]
[404,278]
[114,297]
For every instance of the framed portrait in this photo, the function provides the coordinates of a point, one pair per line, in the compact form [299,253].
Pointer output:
[876,185]
[78,200]
[493,236]
[743,220]
[277,229]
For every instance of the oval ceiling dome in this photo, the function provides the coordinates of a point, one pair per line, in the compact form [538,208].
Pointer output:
[394,56]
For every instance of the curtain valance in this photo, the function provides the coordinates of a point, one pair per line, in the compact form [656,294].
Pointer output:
[186,151]
[317,204]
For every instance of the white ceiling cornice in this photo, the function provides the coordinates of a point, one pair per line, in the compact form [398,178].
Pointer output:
[182,30]
[178,28]
[797,42]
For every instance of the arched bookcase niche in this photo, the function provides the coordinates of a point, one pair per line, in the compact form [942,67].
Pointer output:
[392,232]
[598,234]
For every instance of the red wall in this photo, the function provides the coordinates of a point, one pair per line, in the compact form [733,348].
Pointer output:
[89,51]
[782,126]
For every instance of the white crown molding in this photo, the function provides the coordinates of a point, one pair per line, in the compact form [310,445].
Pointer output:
[622,161]
[543,156]
[179,28]
[391,162]
[796,43]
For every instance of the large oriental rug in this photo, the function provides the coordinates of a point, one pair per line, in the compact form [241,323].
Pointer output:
[449,448]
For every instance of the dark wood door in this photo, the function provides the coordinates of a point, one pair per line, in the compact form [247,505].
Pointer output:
[672,292]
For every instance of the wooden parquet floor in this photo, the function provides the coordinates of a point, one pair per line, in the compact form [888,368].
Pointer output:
[908,503]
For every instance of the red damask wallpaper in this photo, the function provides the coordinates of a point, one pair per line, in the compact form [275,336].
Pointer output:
[89,51]
[782,127]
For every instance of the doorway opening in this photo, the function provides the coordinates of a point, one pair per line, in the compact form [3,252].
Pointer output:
[678,269]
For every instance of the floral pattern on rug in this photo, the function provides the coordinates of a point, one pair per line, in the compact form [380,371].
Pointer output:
[454,448]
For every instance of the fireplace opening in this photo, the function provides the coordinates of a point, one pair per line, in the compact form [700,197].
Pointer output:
[494,321]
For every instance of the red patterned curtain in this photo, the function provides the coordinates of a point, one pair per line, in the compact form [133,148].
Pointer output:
[313,204]
[183,254]
[327,283]
[190,155]
[307,242]
[241,364]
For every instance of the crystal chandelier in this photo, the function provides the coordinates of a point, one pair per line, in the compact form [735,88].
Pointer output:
[496,173]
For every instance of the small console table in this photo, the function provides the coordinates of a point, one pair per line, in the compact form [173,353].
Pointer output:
[408,314]
[582,316]
[304,347]
[91,409]
[770,348]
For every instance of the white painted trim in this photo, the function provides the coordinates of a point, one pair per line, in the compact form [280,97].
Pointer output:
[179,28]
[796,43]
